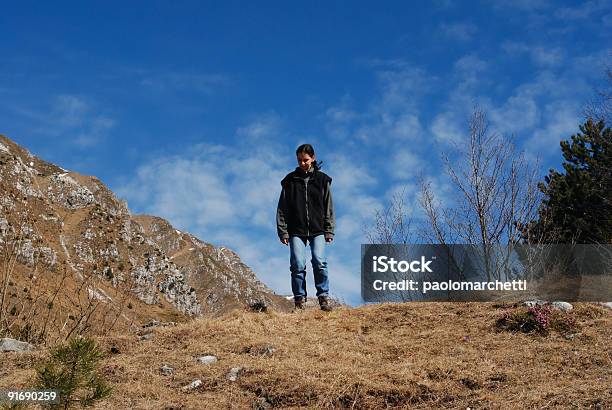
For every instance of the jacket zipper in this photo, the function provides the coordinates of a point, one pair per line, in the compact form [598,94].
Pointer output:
[307,218]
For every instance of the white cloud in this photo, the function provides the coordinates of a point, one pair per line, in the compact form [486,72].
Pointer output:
[72,118]
[469,73]
[393,116]
[458,31]
[211,186]
[208,190]
[387,129]
[407,126]
[349,175]
[342,113]
[525,109]
[563,120]
[547,55]
[471,63]
[582,11]
[347,226]
[540,55]
[97,130]
[401,85]
[344,277]
[447,127]
[182,190]
[405,163]
[409,193]
[518,113]
[265,126]
[69,111]
[340,119]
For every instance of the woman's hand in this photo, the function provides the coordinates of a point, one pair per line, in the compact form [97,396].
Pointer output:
[284,241]
[328,240]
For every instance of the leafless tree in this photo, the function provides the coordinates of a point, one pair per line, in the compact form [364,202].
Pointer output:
[15,234]
[600,107]
[494,193]
[391,225]
[44,301]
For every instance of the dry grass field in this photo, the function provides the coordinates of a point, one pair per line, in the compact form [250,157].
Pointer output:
[411,355]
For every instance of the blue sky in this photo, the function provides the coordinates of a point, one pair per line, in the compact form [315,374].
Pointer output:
[193,111]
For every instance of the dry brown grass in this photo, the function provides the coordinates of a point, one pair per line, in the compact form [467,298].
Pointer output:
[412,355]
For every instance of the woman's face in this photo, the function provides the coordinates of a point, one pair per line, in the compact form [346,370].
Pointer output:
[305,161]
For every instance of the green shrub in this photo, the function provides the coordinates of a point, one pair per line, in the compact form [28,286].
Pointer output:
[72,370]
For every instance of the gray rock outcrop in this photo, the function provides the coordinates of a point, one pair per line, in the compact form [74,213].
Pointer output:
[12,345]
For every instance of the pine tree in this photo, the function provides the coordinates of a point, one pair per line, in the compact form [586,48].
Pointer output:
[577,204]
[72,370]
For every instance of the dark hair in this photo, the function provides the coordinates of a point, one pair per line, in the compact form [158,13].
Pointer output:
[308,149]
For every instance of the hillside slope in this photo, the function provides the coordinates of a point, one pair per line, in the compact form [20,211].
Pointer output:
[412,355]
[77,248]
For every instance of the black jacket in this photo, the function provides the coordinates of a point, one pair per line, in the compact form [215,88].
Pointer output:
[305,206]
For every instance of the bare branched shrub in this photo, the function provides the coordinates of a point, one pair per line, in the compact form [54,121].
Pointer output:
[392,225]
[600,107]
[43,300]
[494,191]
[16,237]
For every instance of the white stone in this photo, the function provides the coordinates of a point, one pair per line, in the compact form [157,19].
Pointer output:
[193,385]
[606,304]
[148,336]
[565,306]
[533,303]
[232,375]
[12,345]
[207,359]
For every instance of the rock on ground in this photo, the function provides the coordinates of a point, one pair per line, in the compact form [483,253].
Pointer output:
[533,303]
[606,304]
[207,359]
[193,385]
[232,375]
[147,336]
[565,306]
[12,345]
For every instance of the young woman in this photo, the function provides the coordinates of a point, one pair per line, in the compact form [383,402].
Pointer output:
[305,215]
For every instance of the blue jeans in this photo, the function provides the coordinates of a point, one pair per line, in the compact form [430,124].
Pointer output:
[297,246]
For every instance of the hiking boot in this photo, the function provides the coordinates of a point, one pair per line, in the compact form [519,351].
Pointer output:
[324,304]
[299,303]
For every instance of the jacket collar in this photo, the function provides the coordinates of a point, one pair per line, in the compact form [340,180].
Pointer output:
[303,174]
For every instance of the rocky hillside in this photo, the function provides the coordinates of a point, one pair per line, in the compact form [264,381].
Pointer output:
[74,243]
[221,280]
